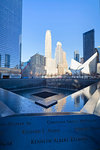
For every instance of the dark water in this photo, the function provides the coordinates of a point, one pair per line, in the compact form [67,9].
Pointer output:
[23,101]
[28,92]
[65,103]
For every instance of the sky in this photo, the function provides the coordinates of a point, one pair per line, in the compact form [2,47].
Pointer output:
[67,20]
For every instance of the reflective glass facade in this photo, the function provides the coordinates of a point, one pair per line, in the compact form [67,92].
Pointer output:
[99,53]
[7,61]
[88,44]
[76,55]
[10,32]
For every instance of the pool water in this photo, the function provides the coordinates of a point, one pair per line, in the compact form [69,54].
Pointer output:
[66,102]
[32,100]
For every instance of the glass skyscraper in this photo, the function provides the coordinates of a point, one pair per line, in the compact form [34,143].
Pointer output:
[88,44]
[99,53]
[76,55]
[10,33]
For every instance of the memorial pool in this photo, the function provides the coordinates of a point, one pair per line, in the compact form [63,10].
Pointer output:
[59,100]
[65,103]
[72,123]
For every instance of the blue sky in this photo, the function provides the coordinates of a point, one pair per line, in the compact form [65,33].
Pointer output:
[67,20]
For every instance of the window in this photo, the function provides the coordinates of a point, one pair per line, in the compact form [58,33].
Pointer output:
[7,61]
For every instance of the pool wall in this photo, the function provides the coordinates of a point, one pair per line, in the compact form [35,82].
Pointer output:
[66,83]
[11,84]
[70,83]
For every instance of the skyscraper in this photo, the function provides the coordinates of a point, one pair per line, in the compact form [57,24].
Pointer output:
[76,55]
[59,53]
[88,44]
[98,60]
[99,52]
[48,44]
[10,33]
[61,61]
[50,66]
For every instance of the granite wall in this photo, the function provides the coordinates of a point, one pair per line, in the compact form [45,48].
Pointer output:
[12,84]
[71,83]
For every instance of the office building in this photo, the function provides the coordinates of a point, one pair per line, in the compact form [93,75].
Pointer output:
[59,53]
[34,67]
[61,61]
[98,60]
[81,60]
[98,48]
[10,37]
[88,44]
[76,55]
[48,44]
[50,66]
[37,63]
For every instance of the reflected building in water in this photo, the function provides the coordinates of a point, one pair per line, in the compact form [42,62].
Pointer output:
[77,101]
[60,105]
[84,95]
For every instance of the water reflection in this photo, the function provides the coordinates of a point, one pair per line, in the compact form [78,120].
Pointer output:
[84,95]
[47,110]
[60,105]
[97,108]
[77,101]
[86,100]
[93,104]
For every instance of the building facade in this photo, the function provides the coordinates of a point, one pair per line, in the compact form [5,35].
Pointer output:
[34,67]
[98,60]
[50,66]
[48,44]
[81,60]
[65,65]
[98,68]
[88,44]
[10,34]
[60,57]
[76,55]
[59,53]
[98,48]
[37,63]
